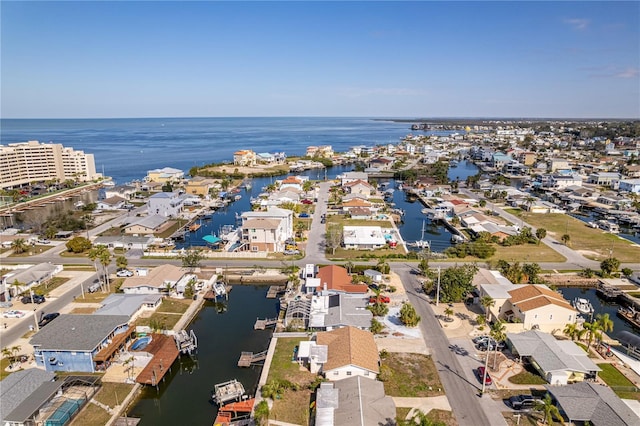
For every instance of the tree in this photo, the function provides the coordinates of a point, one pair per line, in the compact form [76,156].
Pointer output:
[261,413]
[191,258]
[376,326]
[19,245]
[448,312]
[349,267]
[627,272]
[17,286]
[609,266]
[333,237]
[408,315]
[50,232]
[105,260]
[383,266]
[121,262]
[96,255]
[591,328]
[566,238]
[550,410]
[78,245]
[482,203]
[455,282]
[498,334]
[423,266]
[419,418]
[573,331]
[604,322]
[379,309]
[487,302]
[541,233]
[531,271]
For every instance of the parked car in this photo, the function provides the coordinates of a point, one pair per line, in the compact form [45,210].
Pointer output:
[480,374]
[13,314]
[95,286]
[480,339]
[291,252]
[306,201]
[303,215]
[36,299]
[46,319]
[124,273]
[43,241]
[489,345]
[379,299]
[523,402]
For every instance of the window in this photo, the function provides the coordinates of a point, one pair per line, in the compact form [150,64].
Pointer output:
[551,316]
[535,316]
[335,373]
[349,373]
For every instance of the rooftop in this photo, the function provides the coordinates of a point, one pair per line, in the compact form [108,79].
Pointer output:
[77,332]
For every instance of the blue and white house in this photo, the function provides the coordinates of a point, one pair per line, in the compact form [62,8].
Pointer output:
[83,343]
[630,185]
[167,204]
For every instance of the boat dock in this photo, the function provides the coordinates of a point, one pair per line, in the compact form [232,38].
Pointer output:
[233,410]
[247,359]
[187,343]
[164,351]
[227,391]
[275,290]
[261,324]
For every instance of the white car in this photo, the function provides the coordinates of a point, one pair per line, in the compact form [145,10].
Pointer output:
[124,273]
[13,314]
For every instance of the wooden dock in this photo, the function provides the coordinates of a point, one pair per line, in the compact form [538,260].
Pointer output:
[164,351]
[275,290]
[247,359]
[261,324]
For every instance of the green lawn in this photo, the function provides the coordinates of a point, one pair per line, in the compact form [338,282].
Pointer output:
[91,415]
[527,378]
[595,242]
[50,285]
[176,306]
[113,394]
[523,253]
[614,378]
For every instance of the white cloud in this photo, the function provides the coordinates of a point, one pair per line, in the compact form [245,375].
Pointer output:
[628,73]
[611,71]
[578,23]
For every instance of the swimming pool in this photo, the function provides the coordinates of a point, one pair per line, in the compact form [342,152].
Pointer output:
[141,343]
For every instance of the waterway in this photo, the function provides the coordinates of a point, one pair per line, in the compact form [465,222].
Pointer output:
[184,397]
[600,306]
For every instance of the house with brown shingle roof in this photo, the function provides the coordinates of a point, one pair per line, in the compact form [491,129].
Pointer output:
[336,279]
[350,352]
[537,306]
[359,187]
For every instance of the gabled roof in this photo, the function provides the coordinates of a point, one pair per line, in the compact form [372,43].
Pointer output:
[125,304]
[551,354]
[113,200]
[261,223]
[19,386]
[156,278]
[350,346]
[358,182]
[149,222]
[356,202]
[32,274]
[535,296]
[77,332]
[595,403]
[337,278]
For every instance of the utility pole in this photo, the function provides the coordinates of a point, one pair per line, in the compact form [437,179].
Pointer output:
[438,289]
[486,366]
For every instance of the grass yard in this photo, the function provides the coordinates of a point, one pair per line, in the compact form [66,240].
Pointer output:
[160,320]
[4,364]
[91,415]
[342,253]
[83,311]
[50,285]
[527,378]
[524,253]
[293,407]
[614,378]
[592,243]
[99,296]
[174,306]
[36,249]
[410,375]
[113,394]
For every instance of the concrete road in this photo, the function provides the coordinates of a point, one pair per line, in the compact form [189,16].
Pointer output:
[460,386]
[316,245]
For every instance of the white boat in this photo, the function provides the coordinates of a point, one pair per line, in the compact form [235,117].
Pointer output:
[455,238]
[422,243]
[237,197]
[582,305]
[219,288]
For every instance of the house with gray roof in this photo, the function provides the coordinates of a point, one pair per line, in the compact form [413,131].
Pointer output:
[146,225]
[331,311]
[355,401]
[31,276]
[129,305]
[559,362]
[593,403]
[128,242]
[80,342]
[18,386]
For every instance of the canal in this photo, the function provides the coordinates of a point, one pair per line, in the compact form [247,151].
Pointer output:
[184,396]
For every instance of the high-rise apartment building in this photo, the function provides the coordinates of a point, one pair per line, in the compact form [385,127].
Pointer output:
[26,162]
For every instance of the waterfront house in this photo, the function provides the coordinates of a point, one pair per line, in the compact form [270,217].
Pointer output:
[604,179]
[558,361]
[495,285]
[360,213]
[353,176]
[381,163]
[146,224]
[537,306]
[150,187]
[363,237]
[244,157]
[159,280]
[27,277]
[83,343]
[17,388]
[129,305]
[334,278]
[630,185]
[563,181]
[354,401]
[267,231]
[200,186]
[359,187]
[329,311]
[124,191]
[167,204]
[164,175]
[592,403]
[355,203]
[293,182]
[350,352]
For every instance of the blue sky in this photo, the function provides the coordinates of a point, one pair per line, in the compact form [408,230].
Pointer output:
[381,59]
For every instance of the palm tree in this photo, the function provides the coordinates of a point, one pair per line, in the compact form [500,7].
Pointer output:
[487,301]
[605,324]
[571,330]
[17,285]
[550,410]
[95,254]
[6,353]
[105,260]
[566,238]
[349,266]
[121,262]
[383,266]
[541,233]
[19,245]
[498,334]
[592,329]
[448,312]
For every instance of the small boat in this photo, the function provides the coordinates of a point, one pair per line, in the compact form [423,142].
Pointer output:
[582,305]
[219,288]
[237,197]
[227,391]
[630,315]
[456,239]
[194,227]
[453,163]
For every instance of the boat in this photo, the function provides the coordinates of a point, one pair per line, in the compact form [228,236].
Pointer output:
[456,239]
[422,243]
[583,305]
[237,197]
[194,227]
[631,315]
[453,163]
[220,289]
[227,391]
